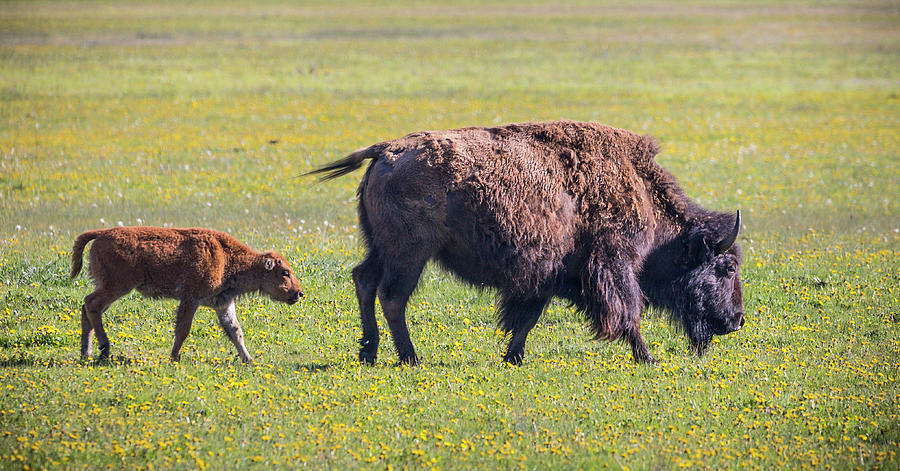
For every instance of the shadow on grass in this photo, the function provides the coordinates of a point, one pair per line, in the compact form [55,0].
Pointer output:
[425,363]
[25,360]
[19,361]
[314,367]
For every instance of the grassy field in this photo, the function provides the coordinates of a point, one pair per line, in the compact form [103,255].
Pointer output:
[205,114]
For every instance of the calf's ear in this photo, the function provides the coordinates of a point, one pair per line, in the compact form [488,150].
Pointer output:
[270,263]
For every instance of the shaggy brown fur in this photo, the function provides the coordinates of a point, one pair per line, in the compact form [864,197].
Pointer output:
[536,210]
[199,267]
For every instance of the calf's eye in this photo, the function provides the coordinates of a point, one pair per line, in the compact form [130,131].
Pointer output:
[285,273]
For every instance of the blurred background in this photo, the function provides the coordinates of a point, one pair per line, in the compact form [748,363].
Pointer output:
[205,113]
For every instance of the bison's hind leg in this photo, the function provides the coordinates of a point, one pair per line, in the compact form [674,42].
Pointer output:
[184,317]
[518,317]
[92,312]
[401,274]
[366,277]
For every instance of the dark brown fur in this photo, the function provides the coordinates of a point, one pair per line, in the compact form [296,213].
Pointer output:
[199,267]
[536,210]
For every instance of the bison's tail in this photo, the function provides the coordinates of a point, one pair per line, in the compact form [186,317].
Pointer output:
[78,250]
[347,164]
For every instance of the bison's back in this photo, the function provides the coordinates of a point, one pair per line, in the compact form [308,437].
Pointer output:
[158,261]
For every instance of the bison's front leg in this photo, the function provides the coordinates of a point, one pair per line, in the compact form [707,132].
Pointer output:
[228,320]
[184,317]
[614,301]
[639,349]
[518,317]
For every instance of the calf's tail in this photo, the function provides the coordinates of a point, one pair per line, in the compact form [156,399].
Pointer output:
[78,250]
[347,164]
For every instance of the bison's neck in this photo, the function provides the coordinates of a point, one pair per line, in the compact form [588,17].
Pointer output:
[244,272]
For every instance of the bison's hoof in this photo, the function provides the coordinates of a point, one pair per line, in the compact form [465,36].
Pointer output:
[515,360]
[648,359]
[369,351]
[367,358]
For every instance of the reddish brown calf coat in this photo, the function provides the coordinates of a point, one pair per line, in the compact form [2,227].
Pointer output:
[199,267]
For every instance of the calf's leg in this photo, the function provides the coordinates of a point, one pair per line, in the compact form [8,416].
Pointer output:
[184,317]
[366,277]
[229,323]
[92,310]
[87,334]
[518,317]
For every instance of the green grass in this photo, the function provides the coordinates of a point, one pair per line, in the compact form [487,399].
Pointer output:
[205,114]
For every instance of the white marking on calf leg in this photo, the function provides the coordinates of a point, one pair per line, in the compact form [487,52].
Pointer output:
[87,334]
[228,321]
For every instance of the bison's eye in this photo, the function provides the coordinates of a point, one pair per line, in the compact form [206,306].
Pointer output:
[285,273]
[726,271]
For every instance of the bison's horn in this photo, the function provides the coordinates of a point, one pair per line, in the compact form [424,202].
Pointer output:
[728,241]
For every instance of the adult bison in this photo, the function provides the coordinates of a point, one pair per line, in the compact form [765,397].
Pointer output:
[569,209]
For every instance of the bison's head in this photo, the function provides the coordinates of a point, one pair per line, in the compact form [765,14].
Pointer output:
[278,280]
[697,278]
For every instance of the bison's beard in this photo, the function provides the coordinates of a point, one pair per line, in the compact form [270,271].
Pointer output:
[691,301]
[700,338]
[694,327]
[687,310]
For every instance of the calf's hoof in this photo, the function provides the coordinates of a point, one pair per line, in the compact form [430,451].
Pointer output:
[104,351]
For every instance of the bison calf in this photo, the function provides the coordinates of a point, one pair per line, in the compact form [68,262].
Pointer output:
[198,267]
